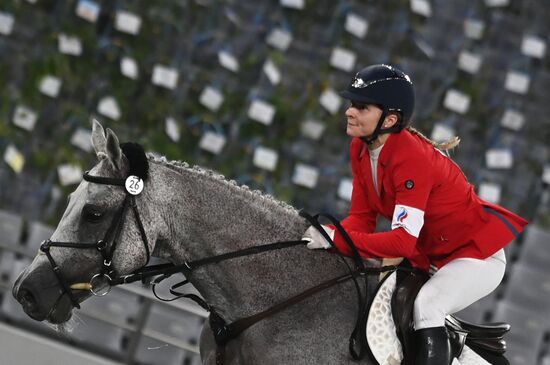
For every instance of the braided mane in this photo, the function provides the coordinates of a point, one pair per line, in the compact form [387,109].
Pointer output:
[184,167]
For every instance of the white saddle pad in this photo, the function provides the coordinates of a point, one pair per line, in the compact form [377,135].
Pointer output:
[381,333]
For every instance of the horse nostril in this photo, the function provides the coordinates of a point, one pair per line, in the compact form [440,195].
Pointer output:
[27,296]
[27,299]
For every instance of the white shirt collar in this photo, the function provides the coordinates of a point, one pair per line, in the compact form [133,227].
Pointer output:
[374,154]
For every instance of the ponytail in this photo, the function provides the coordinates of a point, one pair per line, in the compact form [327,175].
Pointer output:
[444,146]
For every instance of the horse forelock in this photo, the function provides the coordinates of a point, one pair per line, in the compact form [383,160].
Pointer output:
[138,164]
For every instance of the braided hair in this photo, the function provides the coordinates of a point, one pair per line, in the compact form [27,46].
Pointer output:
[443,146]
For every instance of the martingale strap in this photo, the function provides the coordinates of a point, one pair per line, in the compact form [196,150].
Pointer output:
[358,336]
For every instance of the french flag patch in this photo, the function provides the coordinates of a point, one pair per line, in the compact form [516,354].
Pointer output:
[409,218]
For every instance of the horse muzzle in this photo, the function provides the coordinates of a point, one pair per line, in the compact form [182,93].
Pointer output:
[40,295]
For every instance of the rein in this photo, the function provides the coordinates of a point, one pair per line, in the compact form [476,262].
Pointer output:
[100,284]
[224,332]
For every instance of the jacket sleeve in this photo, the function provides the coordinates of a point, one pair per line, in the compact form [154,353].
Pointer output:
[361,217]
[412,184]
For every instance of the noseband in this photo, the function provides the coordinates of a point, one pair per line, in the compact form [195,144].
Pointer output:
[100,283]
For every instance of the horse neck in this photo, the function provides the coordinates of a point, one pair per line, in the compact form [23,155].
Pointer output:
[208,216]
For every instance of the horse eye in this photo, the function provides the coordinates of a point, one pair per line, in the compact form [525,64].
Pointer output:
[91,214]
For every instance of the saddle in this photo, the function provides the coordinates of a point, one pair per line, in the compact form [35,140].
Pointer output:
[485,339]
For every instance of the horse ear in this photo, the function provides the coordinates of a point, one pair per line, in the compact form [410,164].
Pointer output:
[114,153]
[99,141]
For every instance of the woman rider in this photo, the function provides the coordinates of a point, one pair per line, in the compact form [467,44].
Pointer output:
[436,217]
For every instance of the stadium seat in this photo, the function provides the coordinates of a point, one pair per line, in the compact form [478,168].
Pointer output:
[512,251]
[10,268]
[37,232]
[194,359]
[535,251]
[477,312]
[118,307]
[169,321]
[98,334]
[155,352]
[10,229]
[525,337]
[11,309]
[530,289]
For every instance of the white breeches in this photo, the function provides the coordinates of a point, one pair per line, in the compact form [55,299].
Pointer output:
[455,286]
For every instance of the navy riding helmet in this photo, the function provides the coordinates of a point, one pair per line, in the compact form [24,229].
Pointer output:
[387,87]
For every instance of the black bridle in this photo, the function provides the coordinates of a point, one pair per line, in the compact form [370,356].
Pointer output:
[101,282]
[106,276]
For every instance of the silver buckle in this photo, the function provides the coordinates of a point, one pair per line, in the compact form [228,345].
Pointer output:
[100,285]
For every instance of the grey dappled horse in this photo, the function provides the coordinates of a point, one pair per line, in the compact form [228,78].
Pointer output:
[191,213]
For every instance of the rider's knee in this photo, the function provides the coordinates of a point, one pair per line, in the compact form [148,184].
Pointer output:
[427,308]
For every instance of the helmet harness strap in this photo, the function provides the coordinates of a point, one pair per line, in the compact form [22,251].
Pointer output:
[379,130]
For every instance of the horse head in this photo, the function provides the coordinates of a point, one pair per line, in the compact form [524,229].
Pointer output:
[105,232]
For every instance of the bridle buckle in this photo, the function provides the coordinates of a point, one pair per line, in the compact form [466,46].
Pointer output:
[100,285]
[45,245]
[101,245]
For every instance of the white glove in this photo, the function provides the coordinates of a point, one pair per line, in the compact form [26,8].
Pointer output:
[316,239]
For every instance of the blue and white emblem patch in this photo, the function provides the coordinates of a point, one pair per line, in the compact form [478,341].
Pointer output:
[409,218]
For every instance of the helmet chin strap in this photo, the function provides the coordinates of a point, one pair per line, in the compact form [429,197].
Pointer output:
[379,130]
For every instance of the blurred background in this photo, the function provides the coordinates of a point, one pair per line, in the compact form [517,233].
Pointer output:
[250,89]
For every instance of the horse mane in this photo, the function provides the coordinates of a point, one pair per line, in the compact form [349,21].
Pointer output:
[184,167]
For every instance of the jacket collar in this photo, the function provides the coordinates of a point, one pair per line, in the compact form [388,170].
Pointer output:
[386,153]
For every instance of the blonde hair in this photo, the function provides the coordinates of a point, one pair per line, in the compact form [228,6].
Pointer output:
[443,146]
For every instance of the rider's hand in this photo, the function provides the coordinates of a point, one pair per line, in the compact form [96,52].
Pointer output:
[316,239]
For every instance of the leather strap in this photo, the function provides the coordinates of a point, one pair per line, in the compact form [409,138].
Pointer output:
[358,336]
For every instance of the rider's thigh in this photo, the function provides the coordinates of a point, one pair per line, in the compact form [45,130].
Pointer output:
[455,286]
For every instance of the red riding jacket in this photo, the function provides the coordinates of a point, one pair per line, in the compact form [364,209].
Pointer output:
[436,214]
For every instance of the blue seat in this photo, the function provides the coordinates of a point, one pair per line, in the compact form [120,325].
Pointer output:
[11,226]
[119,306]
[526,335]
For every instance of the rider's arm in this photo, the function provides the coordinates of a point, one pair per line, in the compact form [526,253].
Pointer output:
[361,217]
[412,187]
